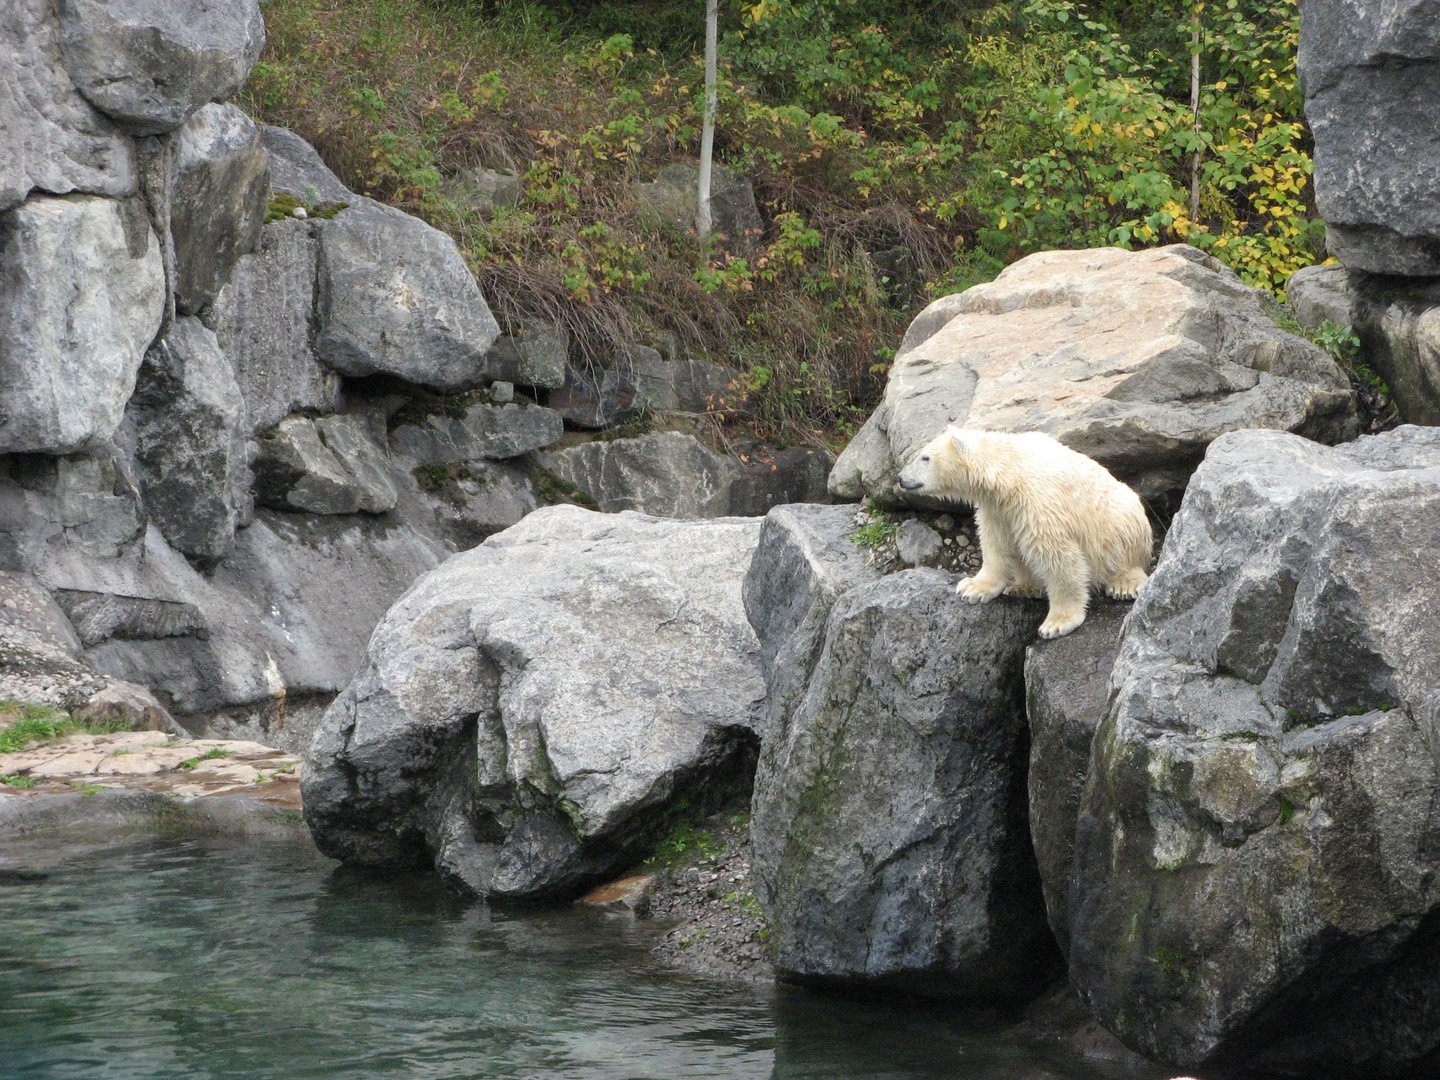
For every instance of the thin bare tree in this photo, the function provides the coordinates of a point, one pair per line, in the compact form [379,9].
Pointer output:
[707,127]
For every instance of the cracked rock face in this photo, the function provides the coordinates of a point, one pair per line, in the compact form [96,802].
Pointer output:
[1137,359]
[1254,885]
[150,64]
[890,842]
[1369,73]
[81,297]
[526,713]
[54,139]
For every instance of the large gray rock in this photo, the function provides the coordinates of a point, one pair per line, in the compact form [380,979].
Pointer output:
[495,432]
[595,399]
[469,501]
[86,507]
[1138,359]
[150,64]
[890,842]
[191,442]
[534,357]
[297,170]
[51,138]
[82,293]
[1399,326]
[1067,686]
[1317,294]
[218,200]
[1255,884]
[792,476]
[395,297]
[264,319]
[1369,73]
[665,473]
[282,619]
[670,198]
[803,563]
[526,715]
[672,474]
[334,465]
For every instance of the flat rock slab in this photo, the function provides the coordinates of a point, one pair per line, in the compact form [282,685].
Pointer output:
[1254,880]
[154,761]
[1137,359]
[527,713]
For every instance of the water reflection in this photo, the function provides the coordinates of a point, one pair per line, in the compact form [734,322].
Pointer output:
[211,960]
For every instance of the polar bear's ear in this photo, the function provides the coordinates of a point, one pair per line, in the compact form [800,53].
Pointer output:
[963,441]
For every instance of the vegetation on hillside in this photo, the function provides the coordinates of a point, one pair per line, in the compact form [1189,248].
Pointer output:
[899,152]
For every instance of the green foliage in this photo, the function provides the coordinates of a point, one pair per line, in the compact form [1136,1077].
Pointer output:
[1117,142]
[1341,342]
[879,529]
[209,755]
[283,205]
[1287,810]
[552,490]
[964,135]
[685,841]
[17,781]
[37,723]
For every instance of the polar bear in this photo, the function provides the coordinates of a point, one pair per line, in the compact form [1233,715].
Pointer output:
[1052,522]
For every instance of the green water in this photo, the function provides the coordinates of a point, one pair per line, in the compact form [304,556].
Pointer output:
[213,960]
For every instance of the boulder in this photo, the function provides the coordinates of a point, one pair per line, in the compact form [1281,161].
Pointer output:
[918,544]
[86,507]
[334,465]
[218,200]
[670,199]
[534,357]
[803,563]
[150,64]
[484,190]
[264,320]
[82,292]
[1254,887]
[890,842]
[665,473]
[528,715]
[191,443]
[472,500]
[395,297]
[797,475]
[27,605]
[1399,326]
[495,432]
[51,138]
[1067,686]
[1138,359]
[595,399]
[297,170]
[1369,74]
[1317,294]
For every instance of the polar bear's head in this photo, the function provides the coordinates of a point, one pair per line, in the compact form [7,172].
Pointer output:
[943,465]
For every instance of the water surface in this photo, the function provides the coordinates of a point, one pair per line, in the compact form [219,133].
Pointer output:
[187,959]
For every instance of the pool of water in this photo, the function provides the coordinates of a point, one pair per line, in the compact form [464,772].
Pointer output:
[188,959]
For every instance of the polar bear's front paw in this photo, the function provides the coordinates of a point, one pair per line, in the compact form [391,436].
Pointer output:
[976,590]
[1125,585]
[1060,623]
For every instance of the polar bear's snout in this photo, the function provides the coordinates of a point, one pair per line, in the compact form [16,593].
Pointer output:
[915,475]
[911,485]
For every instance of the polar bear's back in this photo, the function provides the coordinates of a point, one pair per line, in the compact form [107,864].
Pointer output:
[1051,494]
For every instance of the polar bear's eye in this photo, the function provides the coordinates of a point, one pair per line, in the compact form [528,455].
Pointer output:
[925,457]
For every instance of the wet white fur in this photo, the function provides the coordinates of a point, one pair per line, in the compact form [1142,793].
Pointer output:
[1052,522]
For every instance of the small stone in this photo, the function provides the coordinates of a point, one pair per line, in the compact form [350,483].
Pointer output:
[502,393]
[945,523]
[299,212]
[917,544]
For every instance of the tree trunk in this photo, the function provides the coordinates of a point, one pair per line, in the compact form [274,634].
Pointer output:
[707,129]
